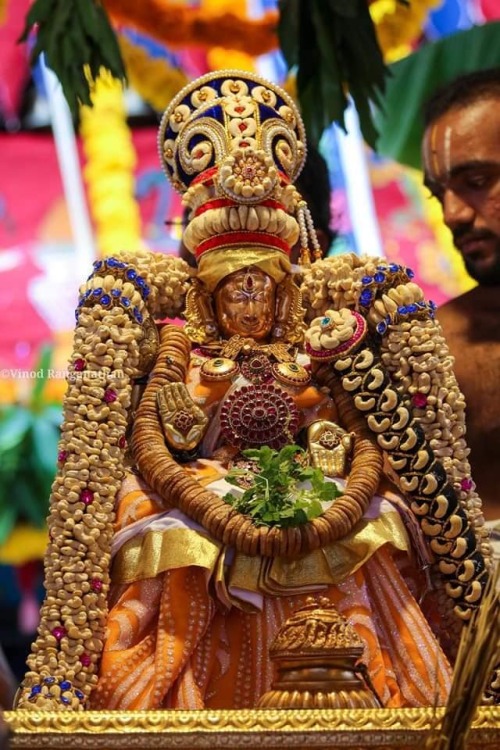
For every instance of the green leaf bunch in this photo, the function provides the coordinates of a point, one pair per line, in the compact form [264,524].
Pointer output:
[273,496]
[333,46]
[77,40]
[29,436]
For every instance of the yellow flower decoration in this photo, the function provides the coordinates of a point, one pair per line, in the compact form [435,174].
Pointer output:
[111,159]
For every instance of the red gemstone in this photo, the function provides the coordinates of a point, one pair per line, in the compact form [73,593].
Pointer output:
[79,364]
[86,660]
[110,395]
[198,154]
[86,496]
[242,126]
[59,632]
[466,484]
[96,584]
[239,109]
[419,400]
[244,144]
[122,442]
[62,456]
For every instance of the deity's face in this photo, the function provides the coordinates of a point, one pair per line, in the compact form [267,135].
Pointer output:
[461,155]
[245,304]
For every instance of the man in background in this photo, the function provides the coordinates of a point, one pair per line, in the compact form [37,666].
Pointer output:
[461,159]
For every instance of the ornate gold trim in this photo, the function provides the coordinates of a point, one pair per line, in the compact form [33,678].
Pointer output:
[267,728]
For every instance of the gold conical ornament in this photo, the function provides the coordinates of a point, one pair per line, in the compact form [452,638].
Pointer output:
[317,654]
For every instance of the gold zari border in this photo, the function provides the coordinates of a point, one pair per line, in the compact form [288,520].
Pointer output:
[267,728]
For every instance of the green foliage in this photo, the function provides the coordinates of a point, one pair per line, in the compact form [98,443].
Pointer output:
[334,48]
[73,35]
[29,436]
[274,496]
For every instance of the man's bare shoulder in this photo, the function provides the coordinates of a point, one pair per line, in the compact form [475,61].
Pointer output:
[477,309]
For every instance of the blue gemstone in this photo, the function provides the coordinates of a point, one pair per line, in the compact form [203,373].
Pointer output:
[325,321]
[76,315]
[119,264]
[79,695]
[412,308]
[394,267]
[65,685]
[402,310]
[36,689]
[125,302]
[116,292]
[97,292]
[87,294]
[49,680]
[140,281]
[382,327]
[105,299]
[366,280]
[65,700]
[97,265]
[379,278]
[366,297]
[145,292]
[112,262]
[131,274]
[381,268]
[137,315]
[410,273]
[432,305]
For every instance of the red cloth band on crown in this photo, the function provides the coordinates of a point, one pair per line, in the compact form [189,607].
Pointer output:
[228,203]
[229,239]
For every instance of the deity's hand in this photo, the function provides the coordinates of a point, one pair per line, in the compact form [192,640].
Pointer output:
[329,447]
[183,422]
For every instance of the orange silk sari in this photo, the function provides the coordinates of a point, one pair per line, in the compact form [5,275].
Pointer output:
[174,642]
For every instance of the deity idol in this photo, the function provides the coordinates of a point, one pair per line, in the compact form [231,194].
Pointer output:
[301,434]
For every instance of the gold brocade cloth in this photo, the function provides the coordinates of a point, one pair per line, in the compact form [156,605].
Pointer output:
[158,551]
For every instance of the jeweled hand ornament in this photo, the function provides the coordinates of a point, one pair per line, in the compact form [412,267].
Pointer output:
[183,422]
[329,447]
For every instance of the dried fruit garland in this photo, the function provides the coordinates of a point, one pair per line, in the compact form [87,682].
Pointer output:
[111,346]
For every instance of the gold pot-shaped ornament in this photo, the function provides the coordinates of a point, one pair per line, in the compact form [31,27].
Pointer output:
[317,656]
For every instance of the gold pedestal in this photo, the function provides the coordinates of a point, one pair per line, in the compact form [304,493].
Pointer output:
[317,653]
[400,729]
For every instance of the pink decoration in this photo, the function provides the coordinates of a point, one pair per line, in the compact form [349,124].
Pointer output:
[122,442]
[59,632]
[96,584]
[110,395]
[419,400]
[62,456]
[86,660]
[79,364]
[466,484]
[86,496]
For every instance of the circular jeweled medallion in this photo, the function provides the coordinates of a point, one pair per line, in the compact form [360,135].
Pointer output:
[291,373]
[257,415]
[219,368]
[256,368]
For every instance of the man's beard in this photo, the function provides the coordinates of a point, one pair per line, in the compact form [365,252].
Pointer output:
[486,275]
[489,276]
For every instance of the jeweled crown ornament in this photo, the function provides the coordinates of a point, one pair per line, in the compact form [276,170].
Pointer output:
[233,144]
